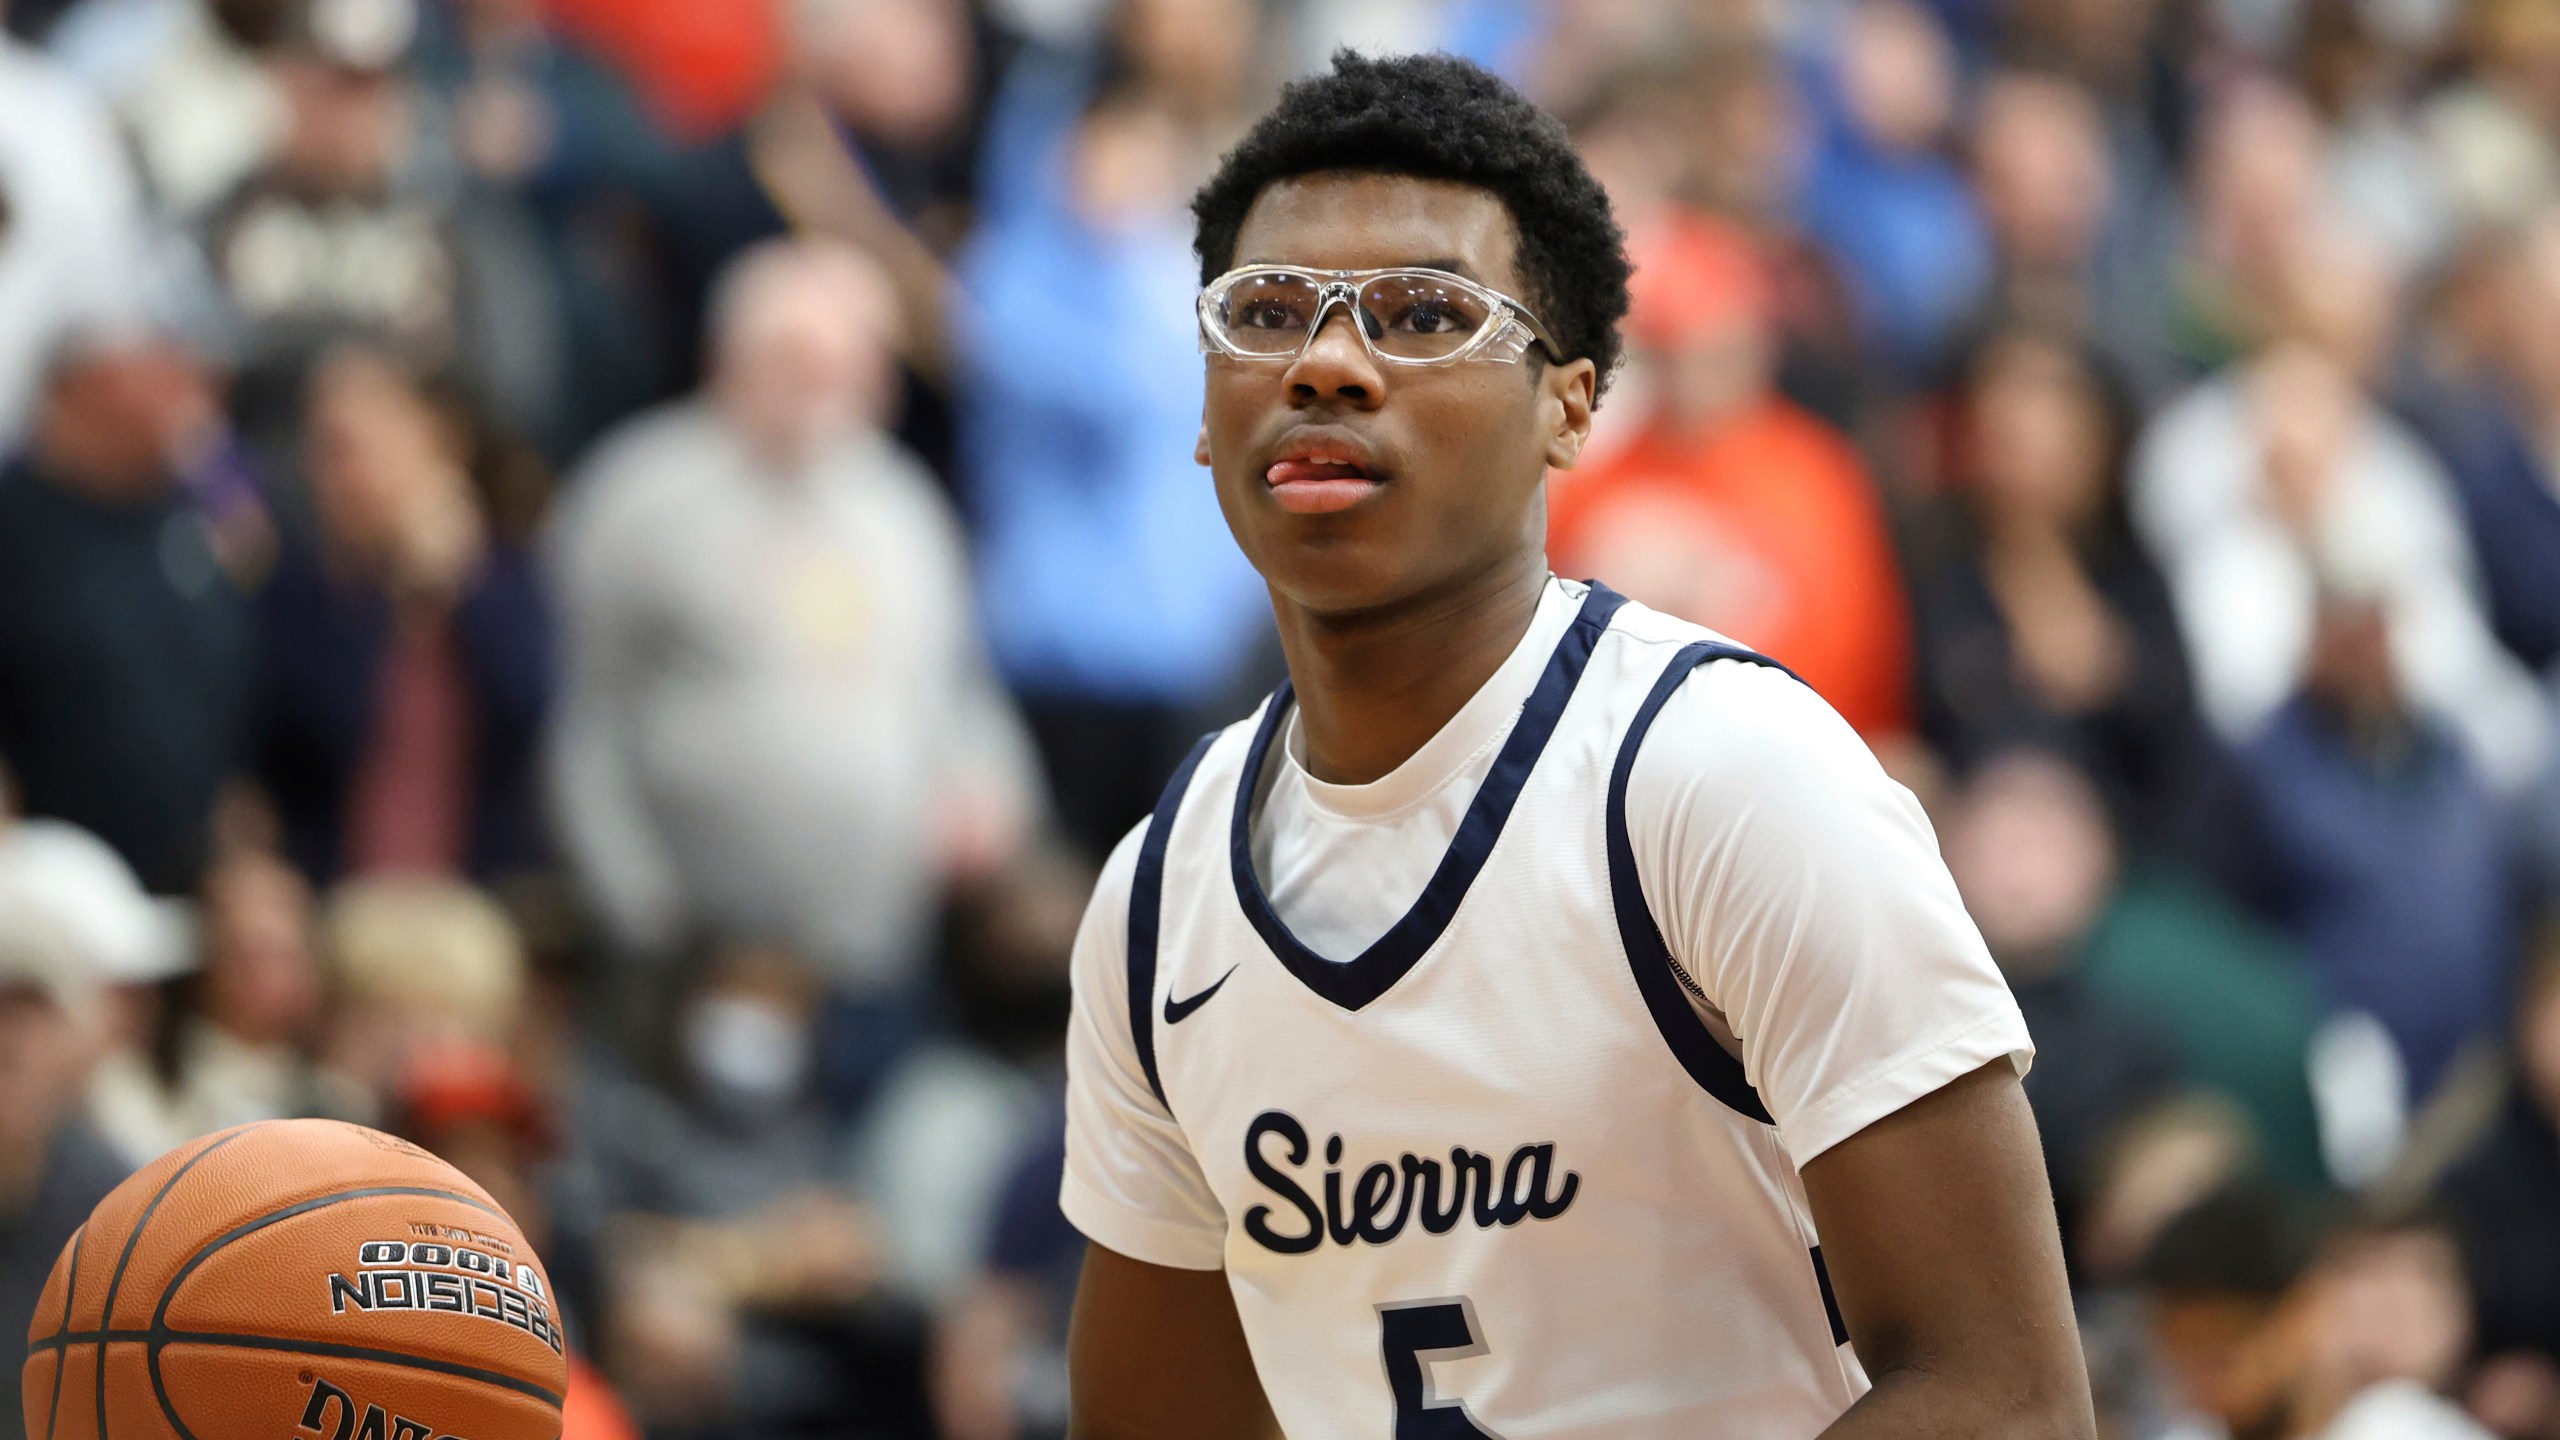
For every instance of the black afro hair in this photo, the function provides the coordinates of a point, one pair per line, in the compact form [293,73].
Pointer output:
[1438,117]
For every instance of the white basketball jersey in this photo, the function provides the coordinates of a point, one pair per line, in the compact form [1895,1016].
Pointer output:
[1493,1176]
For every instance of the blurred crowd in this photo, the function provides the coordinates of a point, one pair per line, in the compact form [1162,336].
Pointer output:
[589,580]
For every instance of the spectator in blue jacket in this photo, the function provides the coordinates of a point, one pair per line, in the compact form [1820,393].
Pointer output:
[125,643]
[1115,604]
[2373,840]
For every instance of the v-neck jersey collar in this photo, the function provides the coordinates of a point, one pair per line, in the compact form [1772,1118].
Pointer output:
[1482,721]
[1354,983]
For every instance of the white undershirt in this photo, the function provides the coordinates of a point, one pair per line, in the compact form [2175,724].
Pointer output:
[1342,863]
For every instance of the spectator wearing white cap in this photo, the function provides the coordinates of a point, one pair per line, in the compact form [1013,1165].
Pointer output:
[67,883]
[233,1041]
[58,954]
[129,937]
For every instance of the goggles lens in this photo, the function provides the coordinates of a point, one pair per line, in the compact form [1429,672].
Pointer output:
[1408,315]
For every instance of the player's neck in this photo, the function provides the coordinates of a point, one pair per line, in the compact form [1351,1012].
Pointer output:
[1373,688]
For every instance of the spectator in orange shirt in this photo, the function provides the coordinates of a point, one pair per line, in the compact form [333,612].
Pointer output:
[592,1411]
[1729,505]
[470,1102]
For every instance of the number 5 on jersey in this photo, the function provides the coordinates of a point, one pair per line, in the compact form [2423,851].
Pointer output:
[1442,1330]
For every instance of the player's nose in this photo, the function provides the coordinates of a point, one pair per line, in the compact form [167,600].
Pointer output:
[1337,365]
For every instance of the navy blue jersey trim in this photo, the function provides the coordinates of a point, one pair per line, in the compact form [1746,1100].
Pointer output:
[1146,908]
[1830,1300]
[1710,1064]
[1354,984]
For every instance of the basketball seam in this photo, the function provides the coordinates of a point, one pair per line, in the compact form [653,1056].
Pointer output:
[62,1362]
[169,1292]
[160,1336]
[115,1282]
[159,1387]
[161,1339]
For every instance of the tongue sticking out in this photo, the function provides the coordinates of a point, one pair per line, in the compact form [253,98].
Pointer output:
[1317,487]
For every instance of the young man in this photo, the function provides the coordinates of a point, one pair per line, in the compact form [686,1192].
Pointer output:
[1477,1040]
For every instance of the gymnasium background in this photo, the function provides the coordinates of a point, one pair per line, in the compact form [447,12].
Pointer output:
[500,642]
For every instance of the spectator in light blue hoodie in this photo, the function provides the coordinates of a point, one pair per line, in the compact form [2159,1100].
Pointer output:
[1881,192]
[1115,603]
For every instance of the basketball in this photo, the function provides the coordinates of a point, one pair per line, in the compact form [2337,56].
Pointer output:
[302,1278]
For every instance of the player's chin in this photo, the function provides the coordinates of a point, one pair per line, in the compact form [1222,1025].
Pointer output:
[1335,569]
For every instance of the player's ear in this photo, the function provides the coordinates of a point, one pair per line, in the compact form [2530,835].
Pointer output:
[1200,446]
[1569,391]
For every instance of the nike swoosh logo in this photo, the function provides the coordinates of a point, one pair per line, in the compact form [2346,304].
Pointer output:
[1177,1011]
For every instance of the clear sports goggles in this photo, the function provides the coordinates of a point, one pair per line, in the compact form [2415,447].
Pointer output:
[1411,316]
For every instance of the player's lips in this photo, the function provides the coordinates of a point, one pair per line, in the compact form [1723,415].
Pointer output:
[1318,475]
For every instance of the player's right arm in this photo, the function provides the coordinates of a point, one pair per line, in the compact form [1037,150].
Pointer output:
[1803,889]
[1156,1351]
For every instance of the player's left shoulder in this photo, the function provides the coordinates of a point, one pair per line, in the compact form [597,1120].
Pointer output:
[1646,642]
[1733,718]
[1640,626]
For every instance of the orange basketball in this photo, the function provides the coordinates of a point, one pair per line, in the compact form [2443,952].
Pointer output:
[298,1278]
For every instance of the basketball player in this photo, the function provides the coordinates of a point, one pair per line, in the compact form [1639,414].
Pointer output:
[1542,1019]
